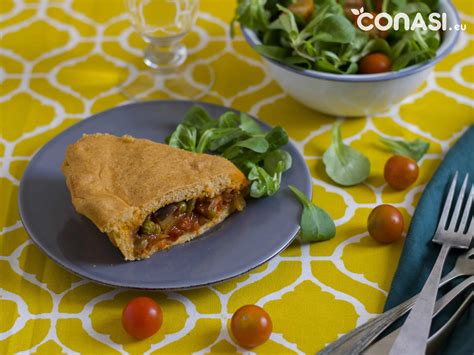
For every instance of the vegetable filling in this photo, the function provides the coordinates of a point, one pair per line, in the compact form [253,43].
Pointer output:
[174,220]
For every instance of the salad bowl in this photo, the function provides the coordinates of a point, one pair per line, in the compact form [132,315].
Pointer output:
[353,95]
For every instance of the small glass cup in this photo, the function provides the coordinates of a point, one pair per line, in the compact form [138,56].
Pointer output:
[163,24]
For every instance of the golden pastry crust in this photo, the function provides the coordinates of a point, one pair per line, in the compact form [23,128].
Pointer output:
[118,181]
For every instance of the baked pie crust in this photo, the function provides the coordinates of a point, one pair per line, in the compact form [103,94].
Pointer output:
[119,182]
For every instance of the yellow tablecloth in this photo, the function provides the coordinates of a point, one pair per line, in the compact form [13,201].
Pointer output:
[62,61]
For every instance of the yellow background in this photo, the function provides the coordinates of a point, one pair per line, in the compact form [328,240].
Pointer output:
[62,61]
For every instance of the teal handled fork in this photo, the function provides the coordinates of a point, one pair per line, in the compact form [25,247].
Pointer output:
[414,333]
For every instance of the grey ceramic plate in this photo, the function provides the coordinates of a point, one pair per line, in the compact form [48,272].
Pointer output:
[241,243]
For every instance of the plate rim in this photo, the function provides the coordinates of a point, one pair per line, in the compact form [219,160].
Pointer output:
[97,116]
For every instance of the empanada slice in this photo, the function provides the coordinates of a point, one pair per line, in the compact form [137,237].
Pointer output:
[149,196]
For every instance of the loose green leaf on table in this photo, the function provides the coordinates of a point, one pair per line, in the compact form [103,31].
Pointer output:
[345,165]
[414,149]
[316,225]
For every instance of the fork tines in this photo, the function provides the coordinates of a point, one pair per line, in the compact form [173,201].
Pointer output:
[459,231]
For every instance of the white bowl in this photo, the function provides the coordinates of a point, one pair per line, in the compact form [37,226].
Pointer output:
[357,94]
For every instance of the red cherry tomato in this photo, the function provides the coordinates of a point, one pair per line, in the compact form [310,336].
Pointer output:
[142,317]
[251,326]
[302,8]
[400,172]
[385,224]
[374,63]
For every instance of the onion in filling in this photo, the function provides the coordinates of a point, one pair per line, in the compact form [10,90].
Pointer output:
[174,220]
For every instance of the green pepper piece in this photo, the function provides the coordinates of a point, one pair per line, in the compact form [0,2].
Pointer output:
[148,227]
[191,205]
[182,207]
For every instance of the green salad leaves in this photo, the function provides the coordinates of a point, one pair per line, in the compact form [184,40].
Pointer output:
[316,224]
[345,165]
[240,139]
[329,41]
[413,149]
[253,13]
[259,155]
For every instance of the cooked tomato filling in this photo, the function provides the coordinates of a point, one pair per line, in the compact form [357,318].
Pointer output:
[176,219]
